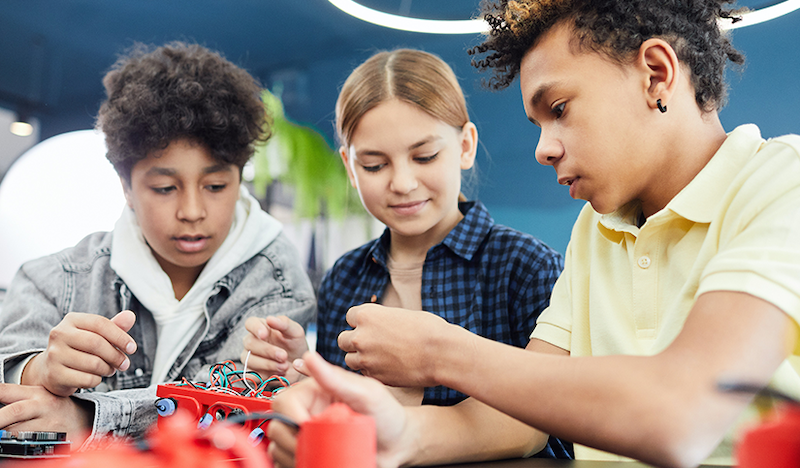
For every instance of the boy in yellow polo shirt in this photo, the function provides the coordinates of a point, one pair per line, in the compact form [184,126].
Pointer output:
[683,270]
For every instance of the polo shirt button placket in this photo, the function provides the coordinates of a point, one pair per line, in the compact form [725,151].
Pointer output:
[644,262]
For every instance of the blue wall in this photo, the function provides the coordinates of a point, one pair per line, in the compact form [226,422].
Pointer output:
[524,195]
[518,191]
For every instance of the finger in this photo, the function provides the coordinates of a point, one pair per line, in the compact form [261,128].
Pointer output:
[88,343]
[17,408]
[258,327]
[106,329]
[352,316]
[299,366]
[283,443]
[345,341]
[265,350]
[266,367]
[288,327]
[64,363]
[124,320]
[353,389]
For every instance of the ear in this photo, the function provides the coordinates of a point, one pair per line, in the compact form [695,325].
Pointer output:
[469,145]
[346,161]
[658,60]
[126,190]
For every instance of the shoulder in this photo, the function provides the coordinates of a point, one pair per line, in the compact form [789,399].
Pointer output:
[770,176]
[347,270]
[277,267]
[352,262]
[82,257]
[510,244]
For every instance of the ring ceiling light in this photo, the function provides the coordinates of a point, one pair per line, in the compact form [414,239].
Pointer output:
[405,23]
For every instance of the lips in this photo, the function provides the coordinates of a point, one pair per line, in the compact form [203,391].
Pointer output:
[570,182]
[566,180]
[409,208]
[191,243]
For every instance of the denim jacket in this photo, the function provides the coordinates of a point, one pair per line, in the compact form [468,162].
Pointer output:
[80,279]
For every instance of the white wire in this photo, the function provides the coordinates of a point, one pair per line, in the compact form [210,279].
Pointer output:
[244,373]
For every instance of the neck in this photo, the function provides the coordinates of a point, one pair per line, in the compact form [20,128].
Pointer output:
[688,143]
[182,278]
[413,249]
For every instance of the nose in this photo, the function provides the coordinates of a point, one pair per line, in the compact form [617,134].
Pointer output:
[191,206]
[549,149]
[404,180]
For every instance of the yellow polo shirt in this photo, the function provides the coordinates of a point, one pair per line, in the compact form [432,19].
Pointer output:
[735,227]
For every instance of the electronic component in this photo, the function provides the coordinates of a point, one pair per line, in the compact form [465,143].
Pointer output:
[230,394]
[33,444]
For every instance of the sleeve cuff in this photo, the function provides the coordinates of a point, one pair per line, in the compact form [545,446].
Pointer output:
[552,334]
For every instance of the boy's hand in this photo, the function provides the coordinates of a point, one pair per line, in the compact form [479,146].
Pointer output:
[81,350]
[394,345]
[273,343]
[333,384]
[35,409]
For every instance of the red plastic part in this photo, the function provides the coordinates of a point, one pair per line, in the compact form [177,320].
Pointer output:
[336,438]
[198,402]
[177,443]
[774,443]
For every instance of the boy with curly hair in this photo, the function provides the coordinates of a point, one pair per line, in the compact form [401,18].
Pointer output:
[682,272]
[89,332]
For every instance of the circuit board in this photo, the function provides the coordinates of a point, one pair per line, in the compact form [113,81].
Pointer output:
[33,444]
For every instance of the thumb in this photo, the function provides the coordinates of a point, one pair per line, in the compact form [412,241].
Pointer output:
[124,320]
[288,327]
[355,390]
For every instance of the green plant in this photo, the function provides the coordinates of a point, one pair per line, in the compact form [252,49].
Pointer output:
[300,157]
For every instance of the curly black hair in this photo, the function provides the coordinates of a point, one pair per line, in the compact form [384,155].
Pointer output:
[616,28]
[179,90]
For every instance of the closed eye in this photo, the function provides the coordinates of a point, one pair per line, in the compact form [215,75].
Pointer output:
[426,159]
[163,190]
[374,168]
[216,187]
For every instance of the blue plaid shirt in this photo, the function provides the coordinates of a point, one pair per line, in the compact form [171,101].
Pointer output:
[488,278]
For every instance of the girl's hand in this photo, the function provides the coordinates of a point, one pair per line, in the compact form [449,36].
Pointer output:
[272,344]
[81,350]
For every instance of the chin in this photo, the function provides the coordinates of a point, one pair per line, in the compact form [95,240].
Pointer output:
[603,209]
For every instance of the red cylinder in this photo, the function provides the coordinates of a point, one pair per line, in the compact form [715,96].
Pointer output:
[774,443]
[337,438]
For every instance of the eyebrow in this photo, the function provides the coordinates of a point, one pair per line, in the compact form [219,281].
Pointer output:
[420,143]
[221,167]
[169,172]
[540,92]
[538,96]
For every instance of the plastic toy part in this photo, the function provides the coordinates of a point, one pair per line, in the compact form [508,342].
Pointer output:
[774,443]
[175,443]
[166,406]
[338,437]
[256,436]
[208,406]
[205,421]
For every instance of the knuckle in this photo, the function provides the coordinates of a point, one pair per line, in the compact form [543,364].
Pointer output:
[87,381]
[100,367]
[17,410]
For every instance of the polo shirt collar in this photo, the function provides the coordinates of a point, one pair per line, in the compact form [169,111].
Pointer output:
[700,199]
[464,239]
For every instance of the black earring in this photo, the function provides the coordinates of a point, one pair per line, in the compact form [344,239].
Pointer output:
[661,107]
